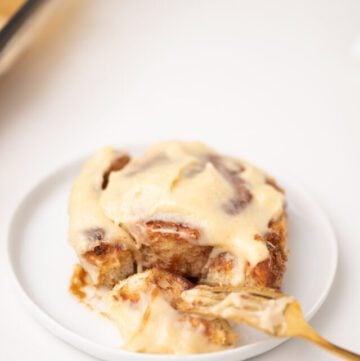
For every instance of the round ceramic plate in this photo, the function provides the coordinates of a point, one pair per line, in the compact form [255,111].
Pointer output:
[42,261]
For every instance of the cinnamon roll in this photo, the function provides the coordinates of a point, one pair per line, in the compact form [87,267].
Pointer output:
[179,215]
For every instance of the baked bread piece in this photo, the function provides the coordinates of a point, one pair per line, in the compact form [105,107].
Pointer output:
[145,309]
[208,217]
[171,246]
[105,250]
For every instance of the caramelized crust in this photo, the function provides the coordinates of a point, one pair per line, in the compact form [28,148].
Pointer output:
[112,261]
[172,285]
[269,273]
[220,270]
[78,282]
[169,283]
[217,330]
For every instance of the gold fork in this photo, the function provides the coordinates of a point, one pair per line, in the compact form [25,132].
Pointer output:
[272,312]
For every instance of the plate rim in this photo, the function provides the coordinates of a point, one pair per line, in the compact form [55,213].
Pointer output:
[92,348]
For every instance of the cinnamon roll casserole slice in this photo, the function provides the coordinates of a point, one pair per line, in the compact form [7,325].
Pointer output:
[185,213]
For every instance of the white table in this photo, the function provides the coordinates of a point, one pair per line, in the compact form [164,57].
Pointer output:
[279,80]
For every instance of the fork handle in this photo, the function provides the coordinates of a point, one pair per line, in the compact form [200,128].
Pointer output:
[315,338]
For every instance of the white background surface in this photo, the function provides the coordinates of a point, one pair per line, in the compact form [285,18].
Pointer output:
[279,80]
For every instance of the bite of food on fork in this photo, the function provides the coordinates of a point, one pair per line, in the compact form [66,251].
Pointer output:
[267,310]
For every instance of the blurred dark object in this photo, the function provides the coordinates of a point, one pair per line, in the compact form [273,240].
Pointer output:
[19,22]
[7,9]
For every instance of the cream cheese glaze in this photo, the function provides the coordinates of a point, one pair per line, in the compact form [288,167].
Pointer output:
[229,201]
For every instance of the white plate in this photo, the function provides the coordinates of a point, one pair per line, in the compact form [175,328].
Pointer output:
[41,262]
